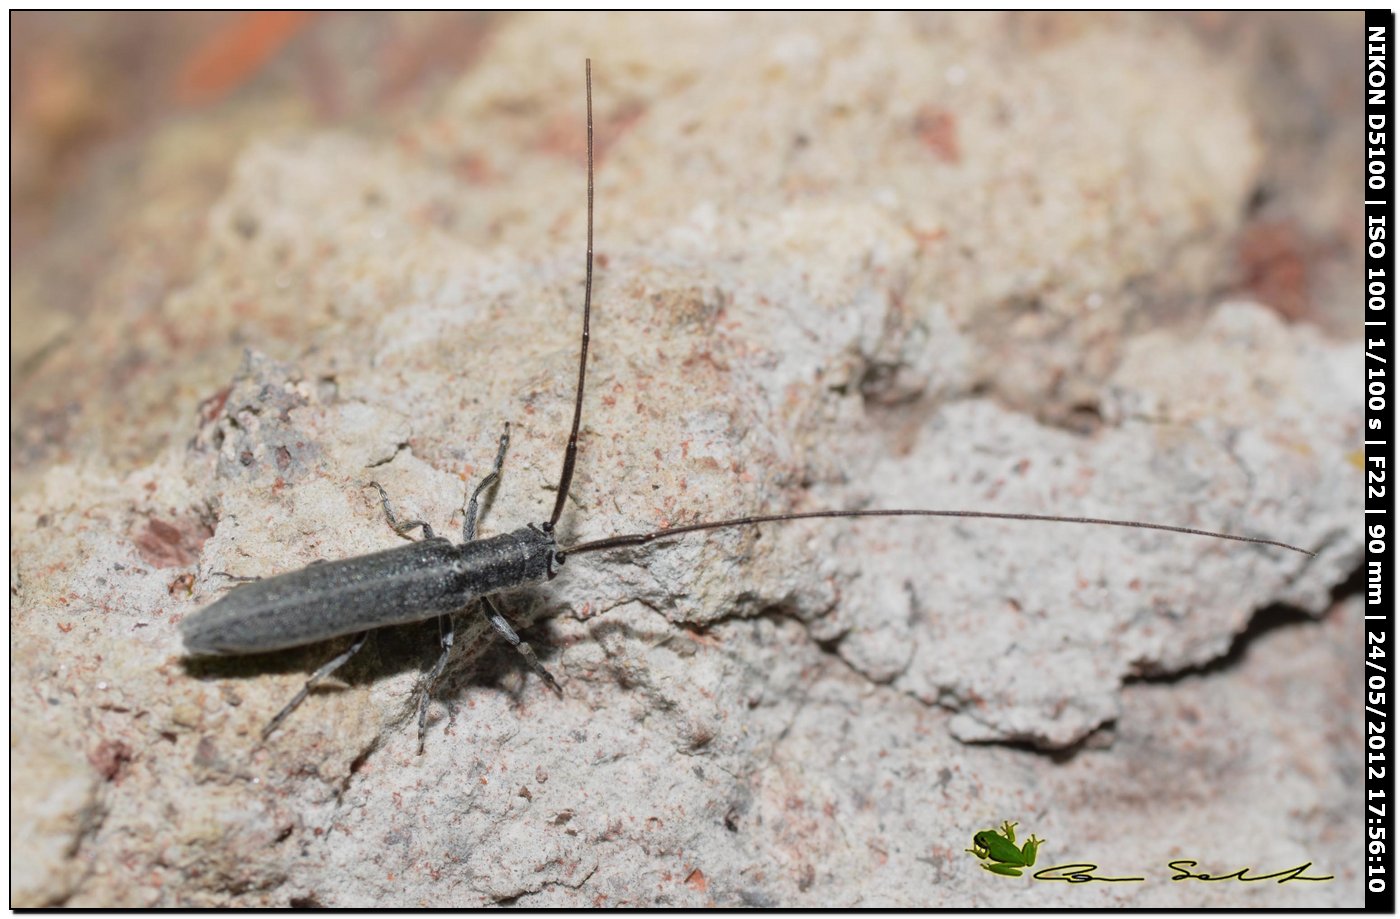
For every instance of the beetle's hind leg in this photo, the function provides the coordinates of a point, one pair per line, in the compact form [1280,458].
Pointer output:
[233,579]
[324,671]
[499,623]
[236,578]
[401,528]
[446,635]
[469,523]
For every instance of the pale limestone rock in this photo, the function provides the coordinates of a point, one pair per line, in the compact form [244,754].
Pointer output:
[866,261]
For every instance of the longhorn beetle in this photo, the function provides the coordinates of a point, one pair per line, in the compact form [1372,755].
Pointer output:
[434,578]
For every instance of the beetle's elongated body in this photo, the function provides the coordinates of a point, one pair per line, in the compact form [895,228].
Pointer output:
[408,583]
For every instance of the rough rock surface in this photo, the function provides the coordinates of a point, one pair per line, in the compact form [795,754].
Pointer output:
[843,263]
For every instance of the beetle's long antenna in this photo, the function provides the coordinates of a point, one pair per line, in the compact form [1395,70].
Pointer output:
[638,539]
[571,452]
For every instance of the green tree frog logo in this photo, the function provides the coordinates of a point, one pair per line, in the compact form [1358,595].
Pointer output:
[999,853]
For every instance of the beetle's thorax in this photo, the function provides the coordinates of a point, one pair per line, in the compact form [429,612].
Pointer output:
[524,556]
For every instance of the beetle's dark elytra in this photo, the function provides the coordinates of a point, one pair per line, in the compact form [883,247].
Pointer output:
[408,583]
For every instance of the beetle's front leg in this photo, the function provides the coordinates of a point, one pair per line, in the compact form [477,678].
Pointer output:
[401,528]
[470,517]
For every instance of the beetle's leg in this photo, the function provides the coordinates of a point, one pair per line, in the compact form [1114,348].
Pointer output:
[445,637]
[234,579]
[400,528]
[239,578]
[469,524]
[248,579]
[499,623]
[325,670]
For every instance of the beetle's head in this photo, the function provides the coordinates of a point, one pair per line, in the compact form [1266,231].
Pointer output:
[548,546]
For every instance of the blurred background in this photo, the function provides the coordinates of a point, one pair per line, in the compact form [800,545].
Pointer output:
[125,127]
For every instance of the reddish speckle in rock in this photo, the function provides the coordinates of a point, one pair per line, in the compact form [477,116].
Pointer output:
[474,169]
[1273,261]
[212,407]
[696,881]
[109,758]
[164,545]
[927,238]
[938,131]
